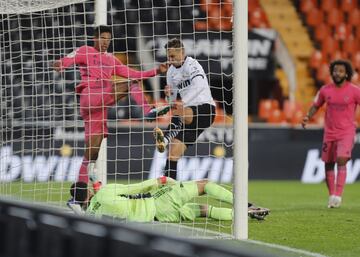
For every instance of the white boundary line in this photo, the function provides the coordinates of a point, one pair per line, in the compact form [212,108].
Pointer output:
[218,235]
[276,246]
[286,248]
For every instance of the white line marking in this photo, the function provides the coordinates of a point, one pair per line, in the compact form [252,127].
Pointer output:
[217,235]
[286,248]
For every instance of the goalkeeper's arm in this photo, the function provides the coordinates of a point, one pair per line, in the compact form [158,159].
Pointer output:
[145,186]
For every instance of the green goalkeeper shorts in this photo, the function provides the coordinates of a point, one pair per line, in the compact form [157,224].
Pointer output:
[170,202]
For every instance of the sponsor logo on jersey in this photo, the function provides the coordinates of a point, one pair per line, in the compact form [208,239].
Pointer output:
[184,84]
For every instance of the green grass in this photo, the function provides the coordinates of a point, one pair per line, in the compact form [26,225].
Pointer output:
[299,215]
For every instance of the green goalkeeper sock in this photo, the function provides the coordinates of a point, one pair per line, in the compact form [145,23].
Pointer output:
[219,213]
[218,192]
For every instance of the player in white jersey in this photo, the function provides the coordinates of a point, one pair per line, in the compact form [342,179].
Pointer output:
[193,114]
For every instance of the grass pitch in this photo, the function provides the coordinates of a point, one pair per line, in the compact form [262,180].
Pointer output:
[299,215]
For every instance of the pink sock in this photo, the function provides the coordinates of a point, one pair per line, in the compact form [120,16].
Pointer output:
[340,180]
[330,181]
[138,95]
[83,174]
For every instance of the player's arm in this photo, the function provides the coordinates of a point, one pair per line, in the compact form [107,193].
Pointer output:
[126,72]
[143,187]
[75,57]
[318,102]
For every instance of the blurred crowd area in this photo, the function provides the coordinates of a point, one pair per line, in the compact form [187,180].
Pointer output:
[314,32]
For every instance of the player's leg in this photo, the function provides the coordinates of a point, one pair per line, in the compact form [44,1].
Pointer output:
[176,149]
[93,109]
[344,149]
[120,90]
[163,139]
[214,190]
[328,156]
[191,211]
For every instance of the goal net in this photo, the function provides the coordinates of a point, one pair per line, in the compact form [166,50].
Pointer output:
[42,132]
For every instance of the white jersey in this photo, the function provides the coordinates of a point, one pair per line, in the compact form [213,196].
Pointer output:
[190,82]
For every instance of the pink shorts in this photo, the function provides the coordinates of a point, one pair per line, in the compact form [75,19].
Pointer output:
[94,103]
[339,148]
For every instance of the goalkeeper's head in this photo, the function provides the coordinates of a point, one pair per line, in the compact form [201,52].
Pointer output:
[81,194]
[175,52]
[102,38]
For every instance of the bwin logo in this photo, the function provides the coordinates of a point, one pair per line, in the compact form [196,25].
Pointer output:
[183,84]
[314,171]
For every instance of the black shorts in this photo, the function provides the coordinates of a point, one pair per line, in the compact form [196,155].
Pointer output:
[203,117]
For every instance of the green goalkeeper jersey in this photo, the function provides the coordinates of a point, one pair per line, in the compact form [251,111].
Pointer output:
[133,202]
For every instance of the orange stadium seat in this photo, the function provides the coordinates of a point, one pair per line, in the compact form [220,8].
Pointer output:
[334,17]
[356,61]
[290,108]
[307,5]
[316,59]
[297,117]
[354,17]
[356,78]
[252,5]
[266,106]
[350,46]
[329,45]
[343,31]
[338,54]
[323,73]
[258,16]
[276,116]
[328,5]
[315,17]
[348,5]
[357,32]
[322,31]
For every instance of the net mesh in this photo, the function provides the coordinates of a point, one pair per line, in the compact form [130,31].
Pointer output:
[42,138]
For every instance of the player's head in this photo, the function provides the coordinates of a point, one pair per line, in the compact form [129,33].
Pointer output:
[341,70]
[102,38]
[175,52]
[80,193]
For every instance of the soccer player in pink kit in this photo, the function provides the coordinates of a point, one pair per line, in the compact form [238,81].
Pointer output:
[98,92]
[342,98]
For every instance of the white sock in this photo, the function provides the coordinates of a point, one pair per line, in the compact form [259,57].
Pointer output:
[91,171]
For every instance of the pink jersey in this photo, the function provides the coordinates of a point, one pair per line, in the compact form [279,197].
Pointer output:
[340,111]
[95,65]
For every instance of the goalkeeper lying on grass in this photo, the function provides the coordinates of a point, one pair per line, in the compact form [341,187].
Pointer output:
[162,199]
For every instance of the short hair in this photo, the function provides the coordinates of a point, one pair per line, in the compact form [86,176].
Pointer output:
[79,191]
[174,43]
[348,68]
[101,29]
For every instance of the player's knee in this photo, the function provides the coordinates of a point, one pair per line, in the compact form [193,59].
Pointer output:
[203,181]
[329,166]
[174,158]
[341,161]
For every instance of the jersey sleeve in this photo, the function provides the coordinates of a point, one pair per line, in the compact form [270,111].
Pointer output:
[170,83]
[126,72]
[137,188]
[78,56]
[195,70]
[319,99]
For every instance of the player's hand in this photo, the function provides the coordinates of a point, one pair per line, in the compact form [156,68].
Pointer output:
[163,180]
[162,68]
[178,108]
[305,121]
[167,90]
[57,65]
